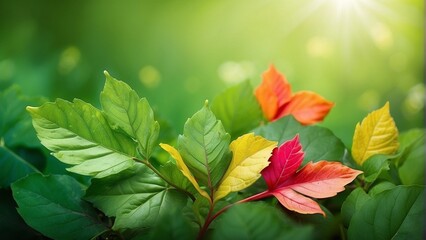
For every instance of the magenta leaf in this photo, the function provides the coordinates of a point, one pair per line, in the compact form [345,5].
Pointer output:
[285,160]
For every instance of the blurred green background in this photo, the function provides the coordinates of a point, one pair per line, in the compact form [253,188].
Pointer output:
[356,53]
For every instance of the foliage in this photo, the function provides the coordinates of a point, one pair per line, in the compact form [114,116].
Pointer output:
[224,172]
[277,100]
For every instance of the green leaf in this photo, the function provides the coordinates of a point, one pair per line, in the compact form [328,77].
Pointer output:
[78,134]
[204,146]
[352,204]
[374,166]
[178,227]
[238,109]
[180,164]
[174,175]
[318,143]
[257,221]
[133,115]
[412,161]
[52,205]
[381,187]
[15,123]
[136,197]
[393,214]
[12,167]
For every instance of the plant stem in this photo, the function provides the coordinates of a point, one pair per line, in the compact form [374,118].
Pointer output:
[150,166]
[210,218]
[342,232]
[251,198]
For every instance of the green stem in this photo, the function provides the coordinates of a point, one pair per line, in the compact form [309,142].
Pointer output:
[342,232]
[393,171]
[150,166]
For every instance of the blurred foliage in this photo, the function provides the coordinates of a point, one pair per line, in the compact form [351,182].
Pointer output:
[356,53]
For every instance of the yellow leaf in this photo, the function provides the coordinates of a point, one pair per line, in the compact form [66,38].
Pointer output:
[183,168]
[250,157]
[377,134]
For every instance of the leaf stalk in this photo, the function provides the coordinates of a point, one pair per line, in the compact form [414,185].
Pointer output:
[150,166]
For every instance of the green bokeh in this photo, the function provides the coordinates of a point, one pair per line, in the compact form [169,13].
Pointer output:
[356,53]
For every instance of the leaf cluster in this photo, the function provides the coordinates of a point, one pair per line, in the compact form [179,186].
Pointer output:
[125,181]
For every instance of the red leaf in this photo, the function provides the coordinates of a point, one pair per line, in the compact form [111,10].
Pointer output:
[315,180]
[276,100]
[285,160]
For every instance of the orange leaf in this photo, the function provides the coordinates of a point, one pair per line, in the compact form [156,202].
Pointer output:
[276,100]
[279,84]
[307,107]
[273,92]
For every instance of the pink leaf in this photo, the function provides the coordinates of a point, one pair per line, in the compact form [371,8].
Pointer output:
[285,160]
[297,202]
[322,179]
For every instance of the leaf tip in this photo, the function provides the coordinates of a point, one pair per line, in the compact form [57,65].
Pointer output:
[30,109]
[106,73]
[206,103]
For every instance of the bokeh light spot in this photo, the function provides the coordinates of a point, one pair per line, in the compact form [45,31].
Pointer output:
[415,100]
[382,36]
[369,100]
[69,59]
[235,72]
[149,76]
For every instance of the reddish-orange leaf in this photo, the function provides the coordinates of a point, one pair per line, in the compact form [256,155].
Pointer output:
[279,84]
[307,107]
[273,92]
[267,100]
[294,189]
[276,100]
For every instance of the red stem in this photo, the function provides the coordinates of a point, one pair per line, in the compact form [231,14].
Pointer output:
[206,223]
[252,198]
[210,218]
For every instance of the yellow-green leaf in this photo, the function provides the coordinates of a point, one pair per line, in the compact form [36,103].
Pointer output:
[183,168]
[377,134]
[250,157]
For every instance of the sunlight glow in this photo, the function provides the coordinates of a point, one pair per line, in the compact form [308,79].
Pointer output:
[344,5]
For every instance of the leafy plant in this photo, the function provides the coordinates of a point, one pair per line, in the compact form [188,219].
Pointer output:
[251,165]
